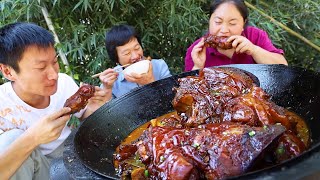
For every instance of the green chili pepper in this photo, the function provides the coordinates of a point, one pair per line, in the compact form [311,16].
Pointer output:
[146,173]
[252,133]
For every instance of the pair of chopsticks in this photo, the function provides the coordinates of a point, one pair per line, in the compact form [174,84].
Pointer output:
[117,67]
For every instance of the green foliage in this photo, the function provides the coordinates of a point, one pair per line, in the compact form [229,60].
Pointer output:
[167,28]
[302,16]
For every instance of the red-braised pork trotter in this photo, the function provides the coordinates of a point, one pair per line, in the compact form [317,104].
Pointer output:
[201,98]
[223,125]
[80,99]
[217,41]
[210,151]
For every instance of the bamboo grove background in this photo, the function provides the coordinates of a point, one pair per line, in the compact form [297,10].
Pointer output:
[167,28]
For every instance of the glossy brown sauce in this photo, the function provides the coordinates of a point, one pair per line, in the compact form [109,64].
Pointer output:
[211,150]
[302,128]
[134,135]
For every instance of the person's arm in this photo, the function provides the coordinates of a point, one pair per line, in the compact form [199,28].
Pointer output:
[198,55]
[101,96]
[188,62]
[44,131]
[262,56]
[108,77]
[17,152]
[163,69]
[256,43]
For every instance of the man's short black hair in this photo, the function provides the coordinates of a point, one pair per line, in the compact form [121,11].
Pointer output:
[119,35]
[16,37]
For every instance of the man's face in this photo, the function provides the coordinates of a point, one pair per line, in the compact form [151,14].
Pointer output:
[130,52]
[38,73]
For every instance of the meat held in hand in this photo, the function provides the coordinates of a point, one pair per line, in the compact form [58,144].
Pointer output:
[217,41]
[80,99]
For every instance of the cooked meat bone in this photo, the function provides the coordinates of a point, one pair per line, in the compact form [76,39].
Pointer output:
[79,100]
[217,41]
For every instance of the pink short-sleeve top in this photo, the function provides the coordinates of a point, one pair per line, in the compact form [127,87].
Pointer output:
[214,58]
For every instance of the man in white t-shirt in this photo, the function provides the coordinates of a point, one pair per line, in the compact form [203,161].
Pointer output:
[32,117]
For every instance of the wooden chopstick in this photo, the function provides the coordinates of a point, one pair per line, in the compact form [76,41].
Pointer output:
[118,67]
[115,68]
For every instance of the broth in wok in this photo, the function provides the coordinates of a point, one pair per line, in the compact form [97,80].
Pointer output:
[225,125]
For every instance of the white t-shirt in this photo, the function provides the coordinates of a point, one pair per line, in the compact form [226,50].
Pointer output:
[16,114]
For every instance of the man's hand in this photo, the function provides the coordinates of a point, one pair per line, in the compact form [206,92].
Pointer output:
[50,127]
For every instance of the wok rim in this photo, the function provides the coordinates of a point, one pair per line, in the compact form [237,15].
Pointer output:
[313,148]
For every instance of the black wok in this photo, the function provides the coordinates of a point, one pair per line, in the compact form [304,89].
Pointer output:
[97,138]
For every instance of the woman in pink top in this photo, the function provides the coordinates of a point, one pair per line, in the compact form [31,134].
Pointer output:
[249,44]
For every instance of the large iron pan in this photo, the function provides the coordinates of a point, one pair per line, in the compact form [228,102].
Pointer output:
[97,138]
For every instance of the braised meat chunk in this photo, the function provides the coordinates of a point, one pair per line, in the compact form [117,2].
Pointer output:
[194,102]
[79,100]
[211,151]
[217,41]
[201,98]
[255,109]
[223,125]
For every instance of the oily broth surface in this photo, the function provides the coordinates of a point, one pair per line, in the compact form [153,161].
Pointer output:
[302,129]
[134,135]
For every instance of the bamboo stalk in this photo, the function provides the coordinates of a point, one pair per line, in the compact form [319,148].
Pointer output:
[51,27]
[290,31]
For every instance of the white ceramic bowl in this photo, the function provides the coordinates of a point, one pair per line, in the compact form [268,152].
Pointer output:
[139,67]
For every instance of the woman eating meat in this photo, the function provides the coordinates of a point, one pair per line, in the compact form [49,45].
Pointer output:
[231,41]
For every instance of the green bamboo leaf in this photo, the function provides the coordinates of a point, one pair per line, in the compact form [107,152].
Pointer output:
[296,24]
[77,5]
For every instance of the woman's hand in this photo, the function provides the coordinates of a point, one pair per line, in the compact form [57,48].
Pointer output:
[242,45]
[141,79]
[108,77]
[260,55]
[198,55]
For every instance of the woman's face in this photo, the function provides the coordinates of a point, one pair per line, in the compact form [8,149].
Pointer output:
[130,52]
[226,20]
